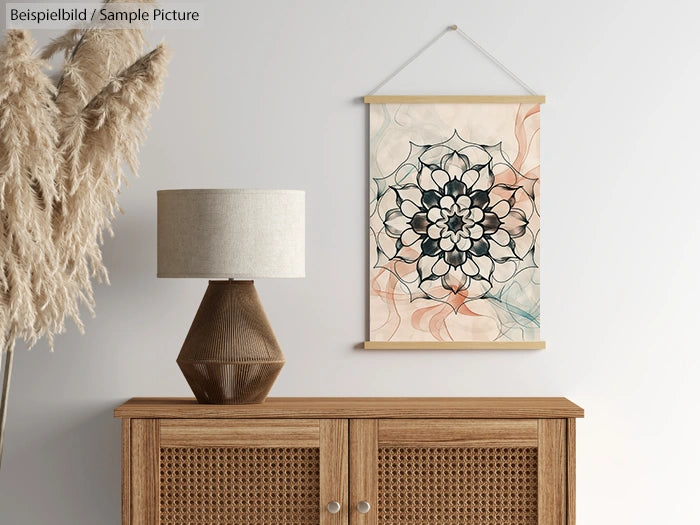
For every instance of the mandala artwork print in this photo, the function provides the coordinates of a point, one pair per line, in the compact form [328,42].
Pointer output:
[454,222]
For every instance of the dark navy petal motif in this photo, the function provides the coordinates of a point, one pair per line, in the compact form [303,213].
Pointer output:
[462,231]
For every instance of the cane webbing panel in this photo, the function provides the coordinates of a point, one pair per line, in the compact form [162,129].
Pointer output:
[457,486]
[239,486]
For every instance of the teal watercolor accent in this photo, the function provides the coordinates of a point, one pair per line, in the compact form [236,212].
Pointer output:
[512,309]
[377,136]
[410,171]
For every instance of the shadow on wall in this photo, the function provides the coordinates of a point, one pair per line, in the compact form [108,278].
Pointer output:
[130,256]
[79,458]
[64,449]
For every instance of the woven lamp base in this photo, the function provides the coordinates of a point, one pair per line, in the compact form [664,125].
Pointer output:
[230,355]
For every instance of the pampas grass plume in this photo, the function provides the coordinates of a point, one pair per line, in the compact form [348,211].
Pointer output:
[61,154]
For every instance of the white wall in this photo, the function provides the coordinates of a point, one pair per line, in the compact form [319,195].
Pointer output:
[268,96]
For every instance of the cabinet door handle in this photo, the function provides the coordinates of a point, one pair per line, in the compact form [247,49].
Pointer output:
[363,507]
[333,507]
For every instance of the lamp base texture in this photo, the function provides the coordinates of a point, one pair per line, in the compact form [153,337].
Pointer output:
[230,355]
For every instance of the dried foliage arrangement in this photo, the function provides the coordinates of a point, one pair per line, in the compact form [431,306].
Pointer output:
[61,153]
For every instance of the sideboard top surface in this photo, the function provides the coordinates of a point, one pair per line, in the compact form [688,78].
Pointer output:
[355,408]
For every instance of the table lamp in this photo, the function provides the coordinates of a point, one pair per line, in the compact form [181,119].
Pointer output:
[230,355]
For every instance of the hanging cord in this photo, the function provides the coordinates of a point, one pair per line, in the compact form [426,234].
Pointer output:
[473,43]
[494,60]
[408,62]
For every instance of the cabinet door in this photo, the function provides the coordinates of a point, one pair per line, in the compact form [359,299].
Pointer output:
[458,472]
[238,471]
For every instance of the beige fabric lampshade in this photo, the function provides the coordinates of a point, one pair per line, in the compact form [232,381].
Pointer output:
[231,233]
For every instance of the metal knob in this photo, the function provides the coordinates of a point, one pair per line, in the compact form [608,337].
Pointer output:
[363,507]
[333,507]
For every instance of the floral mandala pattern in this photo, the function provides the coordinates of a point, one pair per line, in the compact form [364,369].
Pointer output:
[458,222]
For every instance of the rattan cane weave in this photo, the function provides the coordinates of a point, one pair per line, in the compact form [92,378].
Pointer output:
[239,486]
[457,486]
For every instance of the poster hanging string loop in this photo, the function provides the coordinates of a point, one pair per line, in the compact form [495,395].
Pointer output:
[469,39]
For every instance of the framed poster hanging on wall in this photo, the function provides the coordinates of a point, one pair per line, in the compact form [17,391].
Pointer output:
[454,222]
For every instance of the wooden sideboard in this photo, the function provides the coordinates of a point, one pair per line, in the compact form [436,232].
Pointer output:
[349,461]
